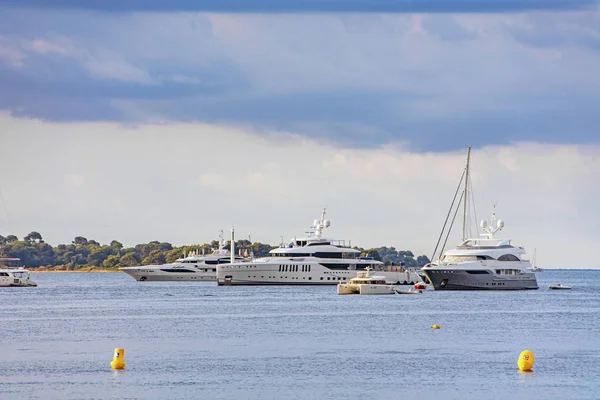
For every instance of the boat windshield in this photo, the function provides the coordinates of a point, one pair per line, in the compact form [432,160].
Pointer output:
[21,274]
[368,281]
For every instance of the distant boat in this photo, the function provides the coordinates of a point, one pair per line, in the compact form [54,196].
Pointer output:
[534,267]
[14,276]
[409,291]
[193,267]
[559,286]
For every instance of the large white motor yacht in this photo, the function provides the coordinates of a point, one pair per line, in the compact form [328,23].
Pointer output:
[485,263]
[14,276]
[312,260]
[193,267]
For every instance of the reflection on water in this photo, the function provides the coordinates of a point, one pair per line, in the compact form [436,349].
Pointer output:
[192,340]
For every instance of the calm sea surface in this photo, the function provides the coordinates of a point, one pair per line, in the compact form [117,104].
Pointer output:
[197,340]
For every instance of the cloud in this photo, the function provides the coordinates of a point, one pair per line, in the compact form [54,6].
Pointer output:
[10,54]
[425,81]
[182,183]
[74,180]
[263,6]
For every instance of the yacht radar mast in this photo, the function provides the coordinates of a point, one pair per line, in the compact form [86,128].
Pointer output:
[320,224]
[221,240]
[495,225]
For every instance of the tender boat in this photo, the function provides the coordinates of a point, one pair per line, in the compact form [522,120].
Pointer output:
[365,283]
[559,286]
[420,286]
[14,276]
[484,263]
[409,291]
[311,260]
[194,267]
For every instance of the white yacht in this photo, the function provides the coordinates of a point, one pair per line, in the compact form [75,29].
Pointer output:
[193,267]
[312,260]
[365,283]
[14,276]
[485,263]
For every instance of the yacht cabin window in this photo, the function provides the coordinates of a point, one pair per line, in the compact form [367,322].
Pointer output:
[508,257]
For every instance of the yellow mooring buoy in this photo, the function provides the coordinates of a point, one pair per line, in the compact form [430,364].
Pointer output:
[435,326]
[117,362]
[525,360]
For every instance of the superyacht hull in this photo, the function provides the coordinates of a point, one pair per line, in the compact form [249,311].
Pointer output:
[449,279]
[300,274]
[154,275]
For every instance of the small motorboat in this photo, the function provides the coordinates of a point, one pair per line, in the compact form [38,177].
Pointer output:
[14,276]
[420,286]
[559,286]
[365,283]
[409,291]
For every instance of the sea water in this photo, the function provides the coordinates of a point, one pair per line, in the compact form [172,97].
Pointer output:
[198,340]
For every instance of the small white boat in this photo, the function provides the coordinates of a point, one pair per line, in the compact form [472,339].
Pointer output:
[559,286]
[365,283]
[14,276]
[409,291]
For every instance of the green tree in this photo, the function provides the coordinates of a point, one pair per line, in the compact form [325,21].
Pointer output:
[78,259]
[80,241]
[174,254]
[33,237]
[156,257]
[422,261]
[11,238]
[373,253]
[129,260]
[111,261]
[97,256]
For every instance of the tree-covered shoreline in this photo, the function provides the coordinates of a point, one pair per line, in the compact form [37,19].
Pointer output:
[88,255]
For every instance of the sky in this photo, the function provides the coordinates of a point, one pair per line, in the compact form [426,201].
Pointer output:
[152,120]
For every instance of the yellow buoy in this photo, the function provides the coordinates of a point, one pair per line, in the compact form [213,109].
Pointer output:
[525,360]
[117,362]
[435,326]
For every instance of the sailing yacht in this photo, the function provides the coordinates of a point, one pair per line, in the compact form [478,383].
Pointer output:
[534,267]
[485,263]
[312,260]
[193,267]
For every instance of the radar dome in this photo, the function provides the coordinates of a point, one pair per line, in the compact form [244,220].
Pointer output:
[315,222]
[483,223]
[500,224]
[327,223]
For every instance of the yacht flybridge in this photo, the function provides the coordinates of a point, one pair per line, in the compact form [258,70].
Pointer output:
[192,267]
[485,263]
[312,260]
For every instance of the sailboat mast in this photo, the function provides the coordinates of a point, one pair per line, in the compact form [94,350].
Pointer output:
[464,224]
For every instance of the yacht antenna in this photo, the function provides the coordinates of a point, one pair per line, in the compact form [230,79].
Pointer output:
[232,250]
[465,196]
[251,249]
[221,240]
